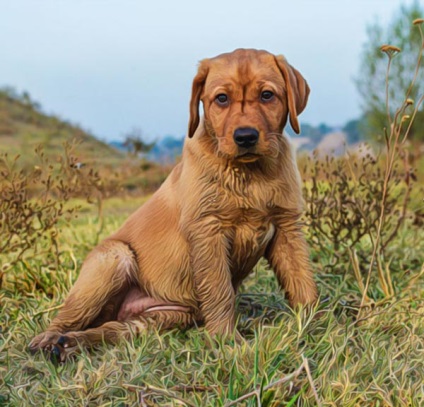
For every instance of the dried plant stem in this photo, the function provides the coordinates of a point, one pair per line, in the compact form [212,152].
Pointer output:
[415,278]
[44,311]
[417,66]
[420,101]
[374,314]
[194,387]
[257,392]
[385,280]
[404,204]
[156,390]
[376,245]
[356,270]
[389,118]
[11,333]
[394,143]
[311,381]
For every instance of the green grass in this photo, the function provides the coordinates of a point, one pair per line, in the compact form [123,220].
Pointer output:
[377,360]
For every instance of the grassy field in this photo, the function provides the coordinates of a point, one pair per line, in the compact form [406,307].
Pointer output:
[331,357]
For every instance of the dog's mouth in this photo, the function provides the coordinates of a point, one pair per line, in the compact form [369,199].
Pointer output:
[248,157]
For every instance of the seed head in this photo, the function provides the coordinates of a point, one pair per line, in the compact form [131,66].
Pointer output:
[390,50]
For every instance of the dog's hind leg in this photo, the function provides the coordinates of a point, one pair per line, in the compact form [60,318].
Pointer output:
[107,273]
[165,317]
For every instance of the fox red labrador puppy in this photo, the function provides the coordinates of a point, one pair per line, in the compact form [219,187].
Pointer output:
[234,197]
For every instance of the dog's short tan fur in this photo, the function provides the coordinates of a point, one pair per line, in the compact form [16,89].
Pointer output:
[179,259]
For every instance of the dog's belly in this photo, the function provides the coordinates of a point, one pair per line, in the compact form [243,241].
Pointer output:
[248,246]
[138,303]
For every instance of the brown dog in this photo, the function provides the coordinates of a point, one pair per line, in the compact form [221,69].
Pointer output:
[234,197]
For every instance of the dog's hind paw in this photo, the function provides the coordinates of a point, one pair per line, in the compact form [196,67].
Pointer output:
[56,345]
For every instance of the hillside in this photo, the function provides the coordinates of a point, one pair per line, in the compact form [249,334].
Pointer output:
[24,126]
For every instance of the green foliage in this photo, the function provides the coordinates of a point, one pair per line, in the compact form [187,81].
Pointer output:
[371,81]
[353,130]
[135,143]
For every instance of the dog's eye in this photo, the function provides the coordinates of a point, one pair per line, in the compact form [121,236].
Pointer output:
[266,95]
[222,99]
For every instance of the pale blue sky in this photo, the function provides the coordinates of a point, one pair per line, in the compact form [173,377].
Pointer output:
[111,65]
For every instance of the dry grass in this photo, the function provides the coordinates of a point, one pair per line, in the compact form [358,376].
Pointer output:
[377,360]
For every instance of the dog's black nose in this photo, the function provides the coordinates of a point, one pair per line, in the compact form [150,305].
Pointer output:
[246,137]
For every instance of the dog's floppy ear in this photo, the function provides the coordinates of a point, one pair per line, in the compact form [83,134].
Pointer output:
[297,90]
[196,93]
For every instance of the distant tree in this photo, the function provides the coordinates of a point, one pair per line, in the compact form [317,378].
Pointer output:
[9,92]
[353,129]
[23,98]
[172,143]
[310,131]
[135,143]
[324,129]
[371,81]
[29,102]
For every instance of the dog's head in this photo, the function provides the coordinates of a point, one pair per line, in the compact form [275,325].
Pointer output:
[247,98]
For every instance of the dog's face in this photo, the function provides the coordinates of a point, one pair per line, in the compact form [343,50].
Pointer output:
[247,96]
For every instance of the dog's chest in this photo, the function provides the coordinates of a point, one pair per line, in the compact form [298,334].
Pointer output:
[251,236]
[247,244]
[246,215]
[244,211]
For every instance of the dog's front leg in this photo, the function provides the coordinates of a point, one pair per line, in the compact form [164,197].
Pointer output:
[212,279]
[289,257]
